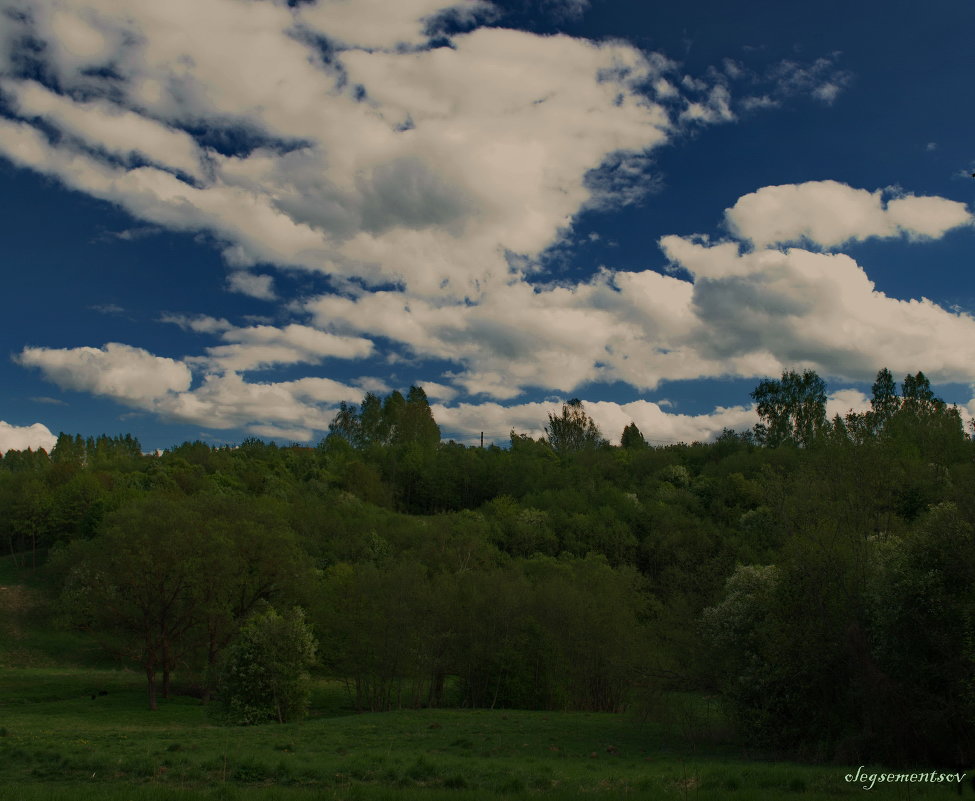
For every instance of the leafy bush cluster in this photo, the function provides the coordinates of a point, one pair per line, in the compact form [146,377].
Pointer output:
[264,672]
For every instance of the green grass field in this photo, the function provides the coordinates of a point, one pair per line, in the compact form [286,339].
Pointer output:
[59,743]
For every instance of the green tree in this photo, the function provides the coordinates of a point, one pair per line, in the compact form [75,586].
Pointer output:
[921,703]
[792,409]
[135,585]
[416,424]
[885,402]
[573,430]
[632,437]
[264,673]
[168,578]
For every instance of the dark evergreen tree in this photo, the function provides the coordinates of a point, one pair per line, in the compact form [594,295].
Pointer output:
[632,437]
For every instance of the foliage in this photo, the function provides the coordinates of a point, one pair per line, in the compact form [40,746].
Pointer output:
[792,409]
[264,671]
[573,430]
[815,573]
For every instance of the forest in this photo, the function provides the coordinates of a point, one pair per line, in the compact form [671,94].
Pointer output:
[815,574]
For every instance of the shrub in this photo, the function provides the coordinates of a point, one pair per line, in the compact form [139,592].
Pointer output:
[263,676]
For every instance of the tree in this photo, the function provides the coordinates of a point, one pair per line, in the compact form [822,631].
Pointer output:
[168,579]
[573,430]
[632,437]
[792,409]
[922,632]
[884,403]
[133,586]
[264,674]
[416,424]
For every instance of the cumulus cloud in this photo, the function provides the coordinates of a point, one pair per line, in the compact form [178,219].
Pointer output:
[829,213]
[427,205]
[295,409]
[818,310]
[104,125]
[200,323]
[130,375]
[844,401]
[377,24]
[20,438]
[741,314]
[252,284]
[497,421]
[261,346]
[618,326]
[435,183]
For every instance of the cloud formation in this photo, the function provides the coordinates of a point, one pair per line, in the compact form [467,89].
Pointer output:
[828,213]
[129,375]
[497,421]
[373,161]
[20,438]
[343,137]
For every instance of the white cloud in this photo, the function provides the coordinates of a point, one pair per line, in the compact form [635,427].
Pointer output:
[254,285]
[622,326]
[742,314]
[716,107]
[435,182]
[829,213]
[279,432]
[20,438]
[200,323]
[130,375]
[380,24]
[843,401]
[107,126]
[467,420]
[135,377]
[820,79]
[261,346]
[927,217]
[437,391]
[817,310]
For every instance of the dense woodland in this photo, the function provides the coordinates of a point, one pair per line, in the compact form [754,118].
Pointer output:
[818,575]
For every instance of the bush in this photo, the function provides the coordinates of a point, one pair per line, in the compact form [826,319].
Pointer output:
[263,676]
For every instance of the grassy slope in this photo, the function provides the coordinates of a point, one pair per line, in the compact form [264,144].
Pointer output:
[57,742]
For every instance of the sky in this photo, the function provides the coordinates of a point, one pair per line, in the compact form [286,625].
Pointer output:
[222,218]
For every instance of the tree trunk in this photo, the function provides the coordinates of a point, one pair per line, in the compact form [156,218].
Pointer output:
[167,666]
[211,673]
[151,678]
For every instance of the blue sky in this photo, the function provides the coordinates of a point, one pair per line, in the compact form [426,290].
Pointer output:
[224,217]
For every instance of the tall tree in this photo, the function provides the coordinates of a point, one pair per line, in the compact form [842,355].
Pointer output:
[133,586]
[792,409]
[573,430]
[632,437]
[885,402]
[416,423]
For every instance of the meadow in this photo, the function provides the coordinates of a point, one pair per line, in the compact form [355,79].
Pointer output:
[82,732]
[86,734]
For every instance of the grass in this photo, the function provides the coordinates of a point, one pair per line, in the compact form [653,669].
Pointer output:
[84,733]
[57,742]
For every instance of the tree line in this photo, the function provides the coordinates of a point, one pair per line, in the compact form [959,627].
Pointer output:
[818,574]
